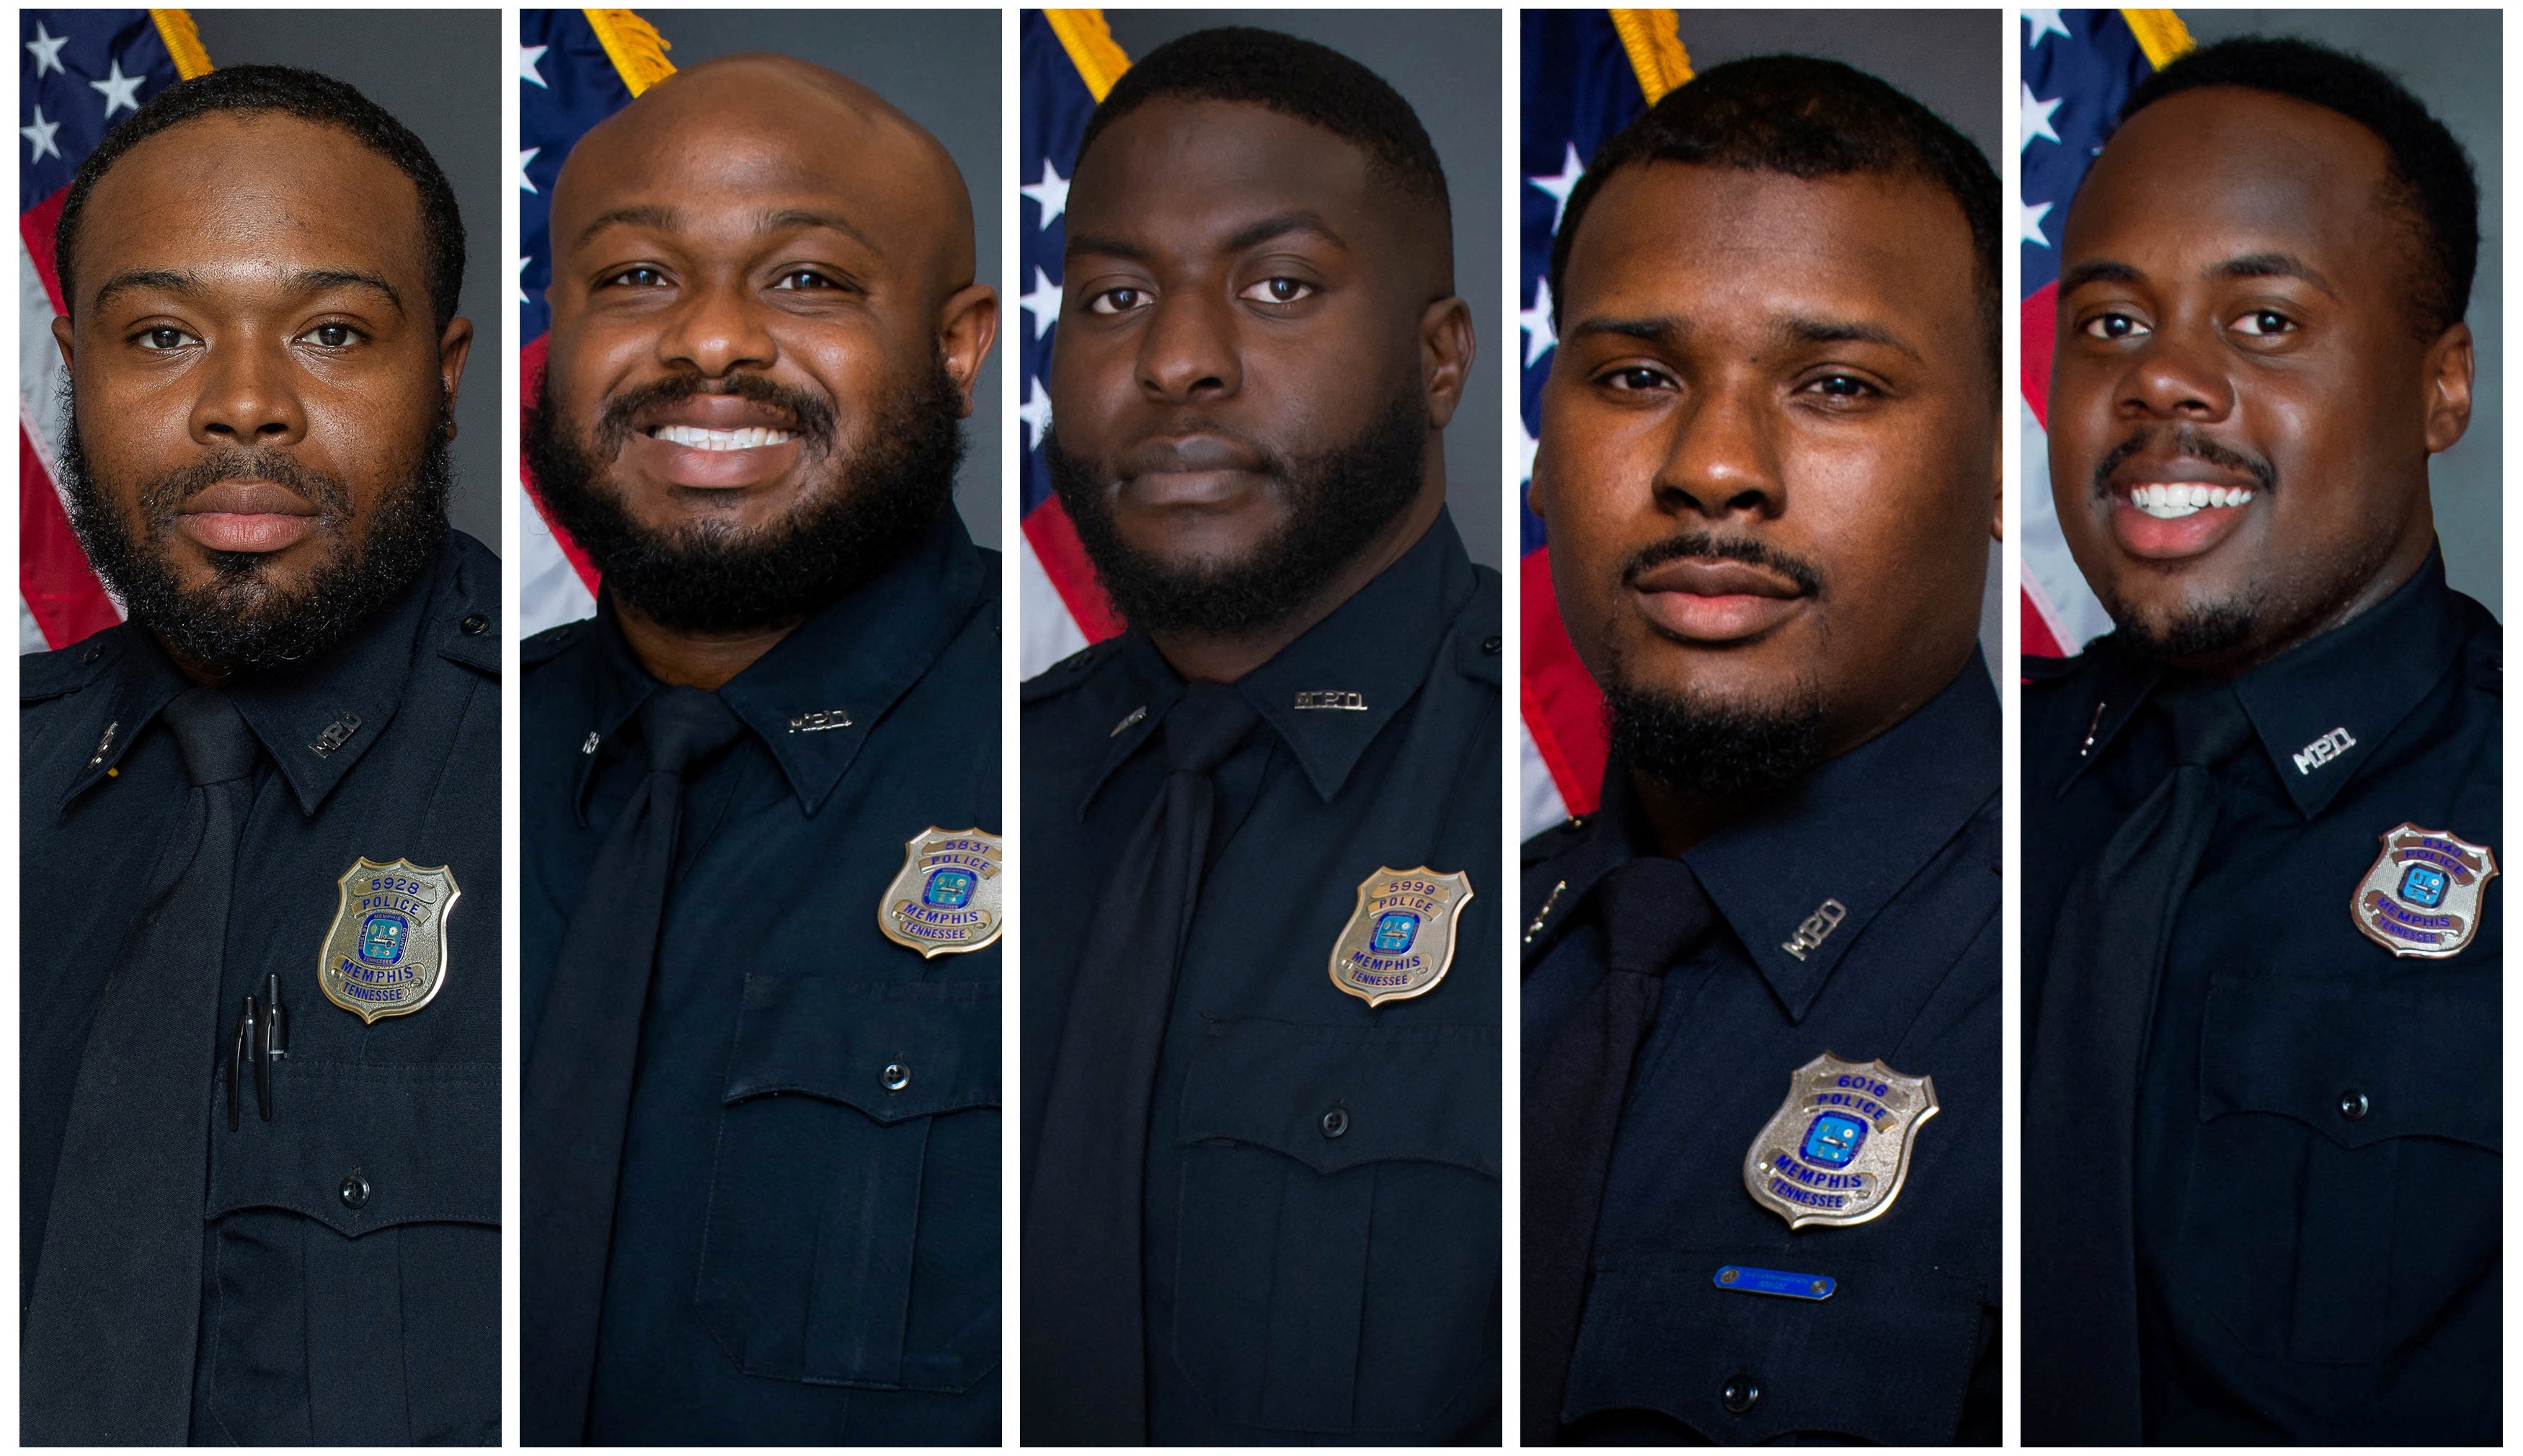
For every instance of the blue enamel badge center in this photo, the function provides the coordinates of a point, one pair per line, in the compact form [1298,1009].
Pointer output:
[1837,1150]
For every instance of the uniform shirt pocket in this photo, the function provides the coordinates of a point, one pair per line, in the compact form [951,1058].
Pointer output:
[1337,1269]
[853,1233]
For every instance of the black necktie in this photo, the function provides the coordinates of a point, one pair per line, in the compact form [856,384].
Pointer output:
[1653,911]
[578,1080]
[1085,1340]
[2081,1344]
[110,1329]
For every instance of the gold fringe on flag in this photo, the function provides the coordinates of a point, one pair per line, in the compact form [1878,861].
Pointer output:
[637,50]
[183,42]
[1088,39]
[1654,39]
[2160,33]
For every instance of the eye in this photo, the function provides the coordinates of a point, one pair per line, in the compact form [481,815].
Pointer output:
[1115,300]
[1631,379]
[806,280]
[2115,327]
[162,338]
[2264,322]
[332,336]
[1843,387]
[1279,291]
[638,278]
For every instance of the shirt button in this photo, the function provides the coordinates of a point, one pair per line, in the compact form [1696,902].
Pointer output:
[475,625]
[1489,646]
[2352,1106]
[896,1076]
[1740,1393]
[1335,1122]
[355,1192]
[92,654]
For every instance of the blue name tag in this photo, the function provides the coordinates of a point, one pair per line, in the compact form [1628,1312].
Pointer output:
[1776,1282]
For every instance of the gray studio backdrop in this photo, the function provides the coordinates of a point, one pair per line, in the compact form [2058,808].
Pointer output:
[439,71]
[2451,60]
[1951,61]
[1445,64]
[941,67]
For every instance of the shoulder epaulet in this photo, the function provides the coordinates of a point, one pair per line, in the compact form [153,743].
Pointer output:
[1480,641]
[550,643]
[1068,673]
[45,676]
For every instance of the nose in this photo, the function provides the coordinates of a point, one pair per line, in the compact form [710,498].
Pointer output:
[2170,379]
[1187,352]
[716,329]
[248,397]
[1721,459]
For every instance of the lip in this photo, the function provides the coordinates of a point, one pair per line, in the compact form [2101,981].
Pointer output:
[245,517]
[2154,538]
[1716,602]
[1197,471]
[710,469]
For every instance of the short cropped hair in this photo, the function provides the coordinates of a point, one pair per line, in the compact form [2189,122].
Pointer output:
[2431,181]
[1806,118]
[1291,77]
[310,97]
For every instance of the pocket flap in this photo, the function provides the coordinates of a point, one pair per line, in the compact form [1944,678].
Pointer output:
[2409,1062]
[1335,1098]
[364,1148]
[895,1049]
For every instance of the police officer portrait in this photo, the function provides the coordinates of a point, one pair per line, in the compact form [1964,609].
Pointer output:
[260,954]
[2260,927]
[1761,1101]
[1260,1131]
[763,869]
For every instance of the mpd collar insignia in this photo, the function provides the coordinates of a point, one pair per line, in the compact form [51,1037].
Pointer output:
[1400,940]
[1837,1151]
[2423,896]
[946,900]
[386,954]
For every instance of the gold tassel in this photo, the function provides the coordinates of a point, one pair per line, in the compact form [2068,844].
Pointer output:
[1088,39]
[1654,39]
[2160,33]
[183,42]
[637,50]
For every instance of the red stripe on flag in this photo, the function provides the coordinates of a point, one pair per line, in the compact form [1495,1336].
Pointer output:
[1564,709]
[2038,640]
[2040,319]
[65,597]
[1064,559]
[530,374]
[35,226]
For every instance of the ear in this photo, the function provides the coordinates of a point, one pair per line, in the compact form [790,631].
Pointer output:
[62,339]
[455,346]
[2451,365]
[966,326]
[1447,350]
[1997,475]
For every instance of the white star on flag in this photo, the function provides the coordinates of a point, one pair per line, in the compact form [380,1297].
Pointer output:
[1042,304]
[1035,412]
[2043,23]
[1561,186]
[120,90]
[1525,450]
[46,48]
[41,135]
[1051,194]
[1536,323]
[528,58]
[2029,230]
[526,159]
[2036,118]
[523,263]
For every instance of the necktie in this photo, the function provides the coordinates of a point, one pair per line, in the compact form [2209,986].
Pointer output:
[1086,1341]
[579,1078]
[1653,911]
[2081,1344]
[109,1332]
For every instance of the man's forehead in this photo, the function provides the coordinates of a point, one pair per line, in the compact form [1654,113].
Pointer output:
[2202,164]
[1178,151]
[314,196]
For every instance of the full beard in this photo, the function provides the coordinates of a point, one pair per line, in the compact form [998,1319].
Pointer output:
[241,622]
[1338,501]
[1715,751]
[874,505]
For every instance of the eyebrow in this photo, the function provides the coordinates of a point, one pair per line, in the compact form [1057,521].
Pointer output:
[190,285]
[1251,235]
[1665,331]
[2101,270]
[2273,266]
[667,220]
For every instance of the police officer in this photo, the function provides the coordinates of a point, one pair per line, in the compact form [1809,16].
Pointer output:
[761,814]
[2261,920]
[260,1015]
[1260,1117]
[1761,985]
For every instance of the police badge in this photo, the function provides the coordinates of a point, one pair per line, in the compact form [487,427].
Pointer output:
[1837,1151]
[946,899]
[386,954]
[1400,940]
[2423,896]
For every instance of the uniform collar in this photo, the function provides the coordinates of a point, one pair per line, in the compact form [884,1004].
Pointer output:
[1851,836]
[817,694]
[1328,693]
[2319,708]
[316,718]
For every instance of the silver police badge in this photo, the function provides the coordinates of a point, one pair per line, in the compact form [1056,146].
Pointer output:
[1836,1151]
[386,954]
[946,899]
[1400,940]
[2423,896]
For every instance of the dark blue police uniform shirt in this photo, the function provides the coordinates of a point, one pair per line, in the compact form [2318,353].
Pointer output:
[322,1322]
[800,1257]
[1903,832]
[2304,1276]
[1302,1288]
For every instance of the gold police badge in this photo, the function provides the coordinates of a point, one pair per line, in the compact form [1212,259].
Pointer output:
[946,899]
[1836,1151]
[2421,897]
[386,954]
[1400,940]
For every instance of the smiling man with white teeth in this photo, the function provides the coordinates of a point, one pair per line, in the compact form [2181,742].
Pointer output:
[762,886]
[2261,945]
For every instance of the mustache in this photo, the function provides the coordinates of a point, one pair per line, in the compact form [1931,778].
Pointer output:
[1707,546]
[810,417]
[2187,440]
[160,499]
[1209,446]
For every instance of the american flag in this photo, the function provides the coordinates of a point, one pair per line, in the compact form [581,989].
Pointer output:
[82,70]
[1069,60]
[1586,74]
[2079,66]
[575,68]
